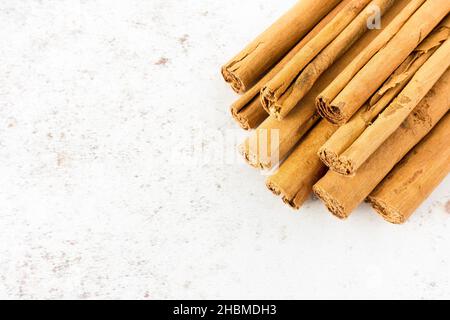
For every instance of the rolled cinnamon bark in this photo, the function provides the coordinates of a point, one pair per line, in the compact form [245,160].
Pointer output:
[282,94]
[393,116]
[249,115]
[415,177]
[262,153]
[245,69]
[302,169]
[342,194]
[408,7]
[382,64]
[346,135]
[300,120]
[247,110]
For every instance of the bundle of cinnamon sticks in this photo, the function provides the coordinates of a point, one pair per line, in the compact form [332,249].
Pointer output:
[349,100]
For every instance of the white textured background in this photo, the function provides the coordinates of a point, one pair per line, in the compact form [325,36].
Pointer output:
[97,201]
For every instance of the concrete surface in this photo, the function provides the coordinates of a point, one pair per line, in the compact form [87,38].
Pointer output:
[106,110]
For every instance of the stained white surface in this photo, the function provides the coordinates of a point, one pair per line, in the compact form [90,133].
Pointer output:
[99,199]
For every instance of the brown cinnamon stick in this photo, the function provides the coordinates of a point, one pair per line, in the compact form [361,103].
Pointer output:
[247,110]
[249,115]
[300,120]
[409,7]
[393,116]
[342,194]
[245,69]
[302,169]
[346,135]
[261,152]
[288,87]
[382,64]
[415,177]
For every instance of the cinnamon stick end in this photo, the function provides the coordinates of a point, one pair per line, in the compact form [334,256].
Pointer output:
[266,96]
[277,190]
[321,104]
[273,187]
[291,203]
[275,111]
[242,121]
[250,158]
[328,157]
[254,159]
[270,104]
[344,166]
[388,213]
[332,112]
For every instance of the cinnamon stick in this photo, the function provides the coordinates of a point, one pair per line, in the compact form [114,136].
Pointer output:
[261,152]
[246,68]
[283,92]
[409,7]
[346,135]
[342,194]
[300,120]
[249,115]
[247,110]
[415,177]
[302,169]
[382,64]
[393,116]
